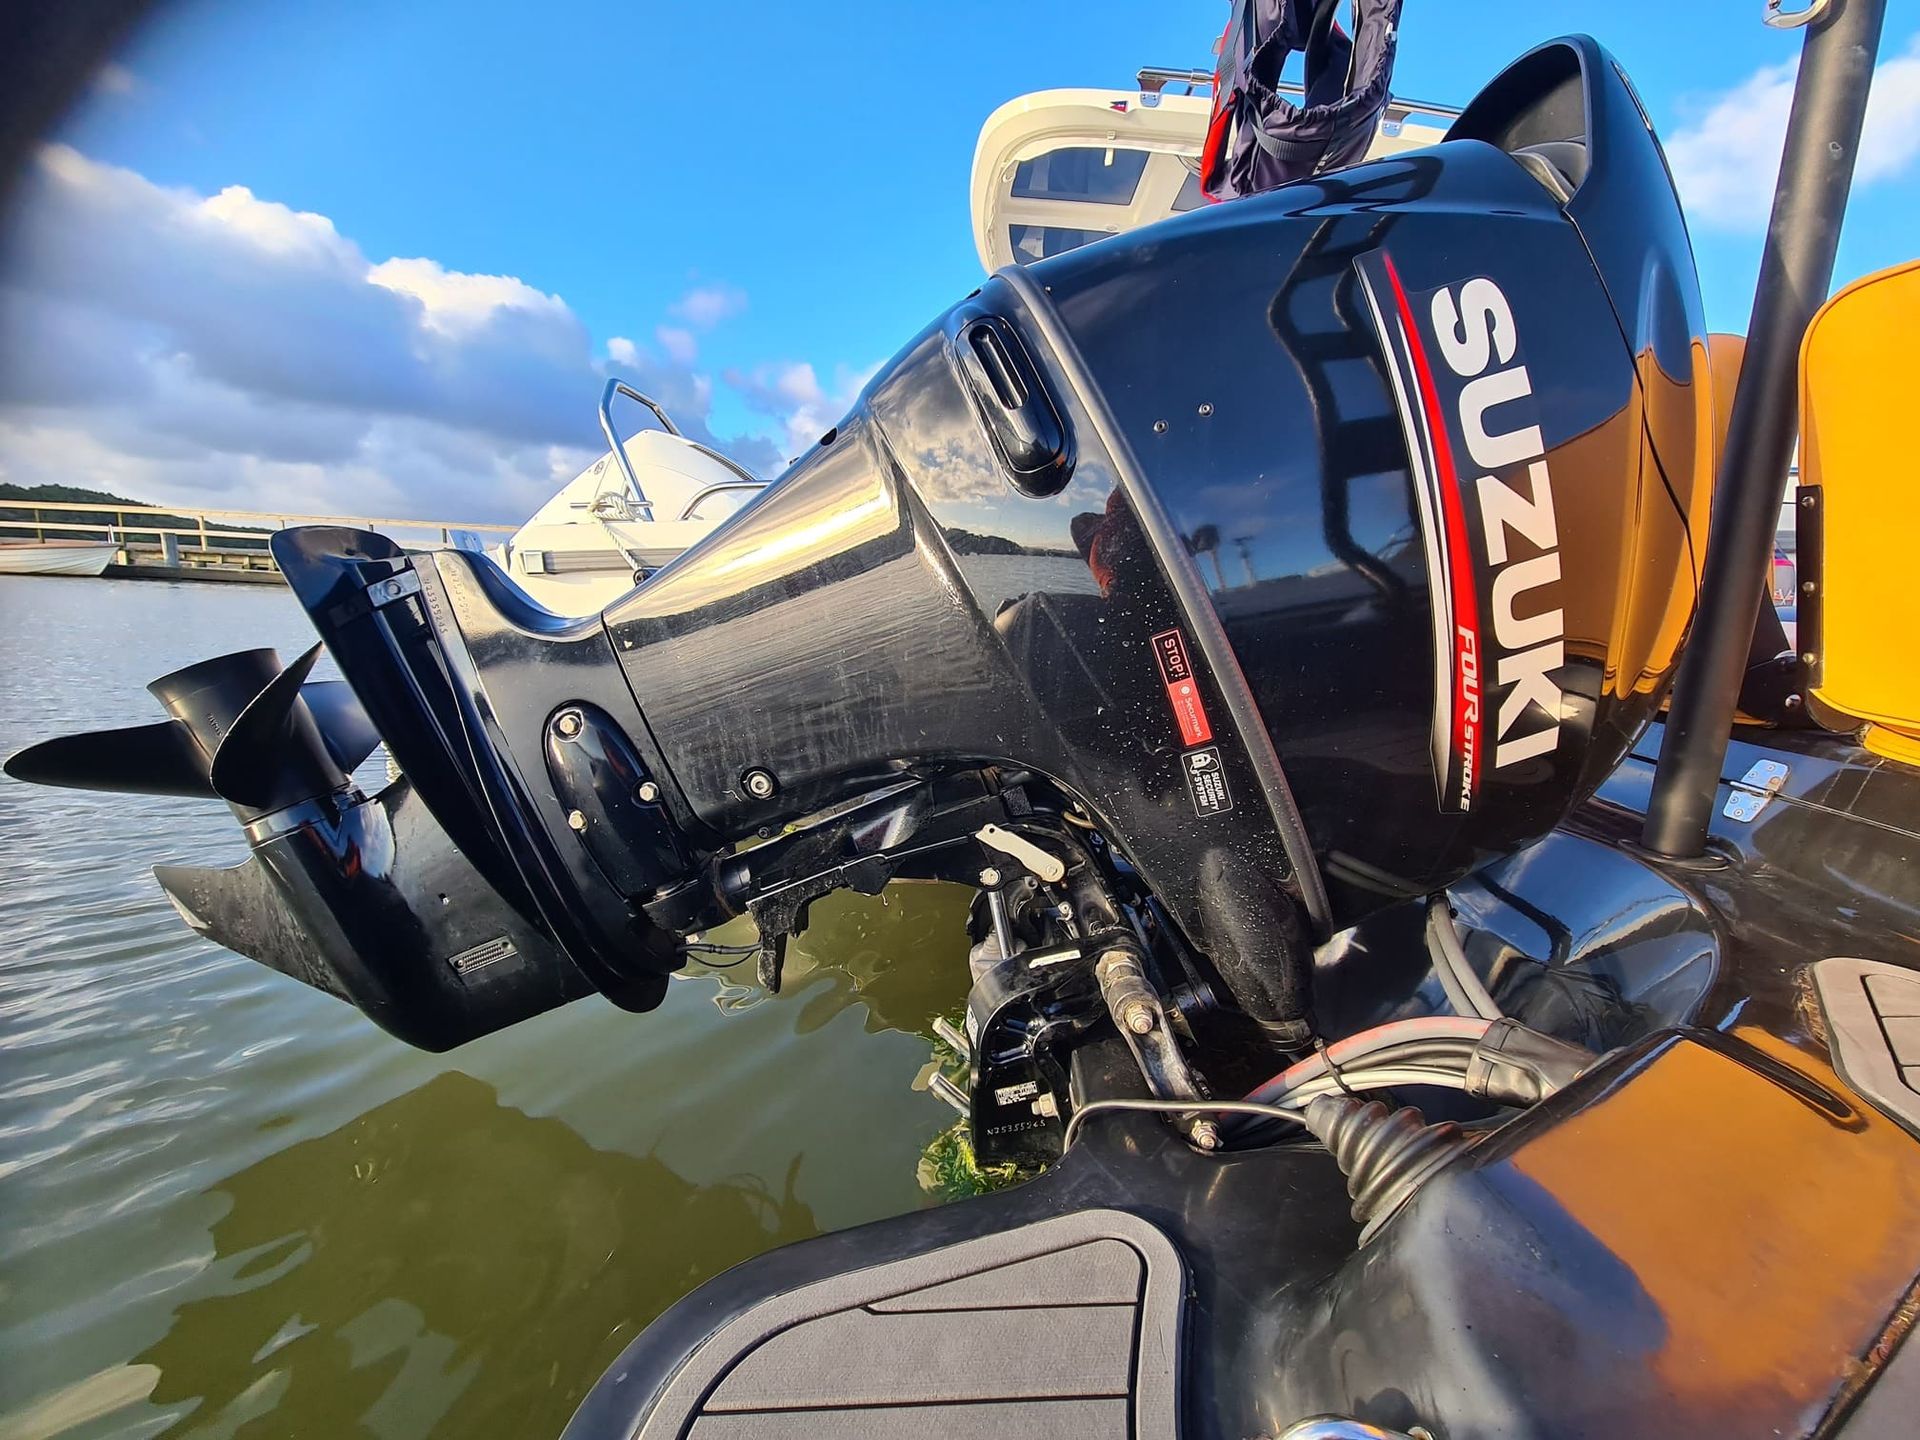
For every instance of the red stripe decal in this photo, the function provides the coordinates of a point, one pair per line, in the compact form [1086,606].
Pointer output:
[1466,605]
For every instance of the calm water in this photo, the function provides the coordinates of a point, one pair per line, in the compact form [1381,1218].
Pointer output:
[231,1207]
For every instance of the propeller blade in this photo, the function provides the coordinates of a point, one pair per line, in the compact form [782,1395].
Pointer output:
[274,755]
[158,759]
[344,727]
[209,694]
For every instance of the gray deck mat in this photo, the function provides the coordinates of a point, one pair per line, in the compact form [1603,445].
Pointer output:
[1872,1011]
[1069,1327]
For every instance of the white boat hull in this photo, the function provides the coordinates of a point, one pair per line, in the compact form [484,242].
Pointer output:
[575,560]
[55,557]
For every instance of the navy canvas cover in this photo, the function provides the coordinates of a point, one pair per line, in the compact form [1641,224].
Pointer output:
[1258,138]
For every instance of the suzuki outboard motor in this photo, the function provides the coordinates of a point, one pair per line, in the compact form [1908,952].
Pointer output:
[1190,595]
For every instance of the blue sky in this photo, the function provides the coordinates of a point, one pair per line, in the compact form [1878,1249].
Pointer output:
[746,205]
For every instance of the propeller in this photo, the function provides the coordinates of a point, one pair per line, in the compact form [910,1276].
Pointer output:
[243,729]
[159,759]
[278,752]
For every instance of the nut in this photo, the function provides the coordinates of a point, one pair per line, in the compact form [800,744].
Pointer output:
[760,784]
[646,792]
[1206,408]
[1137,1016]
[576,820]
[1206,1135]
[569,723]
[989,878]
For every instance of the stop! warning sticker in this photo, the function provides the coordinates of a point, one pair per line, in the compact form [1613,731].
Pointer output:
[1170,653]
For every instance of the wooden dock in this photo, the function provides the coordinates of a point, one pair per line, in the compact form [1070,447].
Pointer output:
[174,542]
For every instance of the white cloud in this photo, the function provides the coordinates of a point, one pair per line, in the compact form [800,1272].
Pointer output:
[679,344]
[790,392]
[394,468]
[705,306]
[1724,163]
[458,304]
[226,348]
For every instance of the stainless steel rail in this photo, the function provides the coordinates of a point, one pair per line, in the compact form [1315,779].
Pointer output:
[1153,80]
[723,487]
[618,446]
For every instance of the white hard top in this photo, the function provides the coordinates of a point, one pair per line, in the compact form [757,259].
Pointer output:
[1058,169]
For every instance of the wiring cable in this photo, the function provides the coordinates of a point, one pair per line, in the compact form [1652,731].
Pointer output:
[1466,992]
[701,949]
[1333,1067]
[1426,1037]
[1365,1077]
[1173,1107]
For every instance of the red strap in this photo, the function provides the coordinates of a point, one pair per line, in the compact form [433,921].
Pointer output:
[1213,153]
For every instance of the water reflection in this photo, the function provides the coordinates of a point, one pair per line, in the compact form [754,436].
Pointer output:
[447,1264]
[900,958]
[185,1245]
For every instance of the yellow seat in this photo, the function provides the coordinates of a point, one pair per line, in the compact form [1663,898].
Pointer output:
[1860,443]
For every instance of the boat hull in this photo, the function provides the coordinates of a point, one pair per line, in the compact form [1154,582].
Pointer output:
[52,557]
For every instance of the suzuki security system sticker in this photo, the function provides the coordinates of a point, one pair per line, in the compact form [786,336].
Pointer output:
[1170,653]
[1206,781]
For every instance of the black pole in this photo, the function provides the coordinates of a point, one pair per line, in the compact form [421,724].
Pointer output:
[1796,270]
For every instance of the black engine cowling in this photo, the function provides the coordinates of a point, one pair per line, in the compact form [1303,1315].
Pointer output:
[1311,550]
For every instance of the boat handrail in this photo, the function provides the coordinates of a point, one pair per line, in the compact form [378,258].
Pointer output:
[621,458]
[748,480]
[721,488]
[1153,79]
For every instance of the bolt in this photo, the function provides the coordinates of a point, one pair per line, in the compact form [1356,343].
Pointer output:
[1793,702]
[1159,427]
[1807,657]
[760,784]
[1806,502]
[1206,408]
[1137,1016]
[989,878]
[569,723]
[1806,587]
[646,792]
[576,820]
[1206,1135]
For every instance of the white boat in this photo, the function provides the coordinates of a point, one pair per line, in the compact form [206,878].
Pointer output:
[626,515]
[1053,170]
[1059,169]
[55,557]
